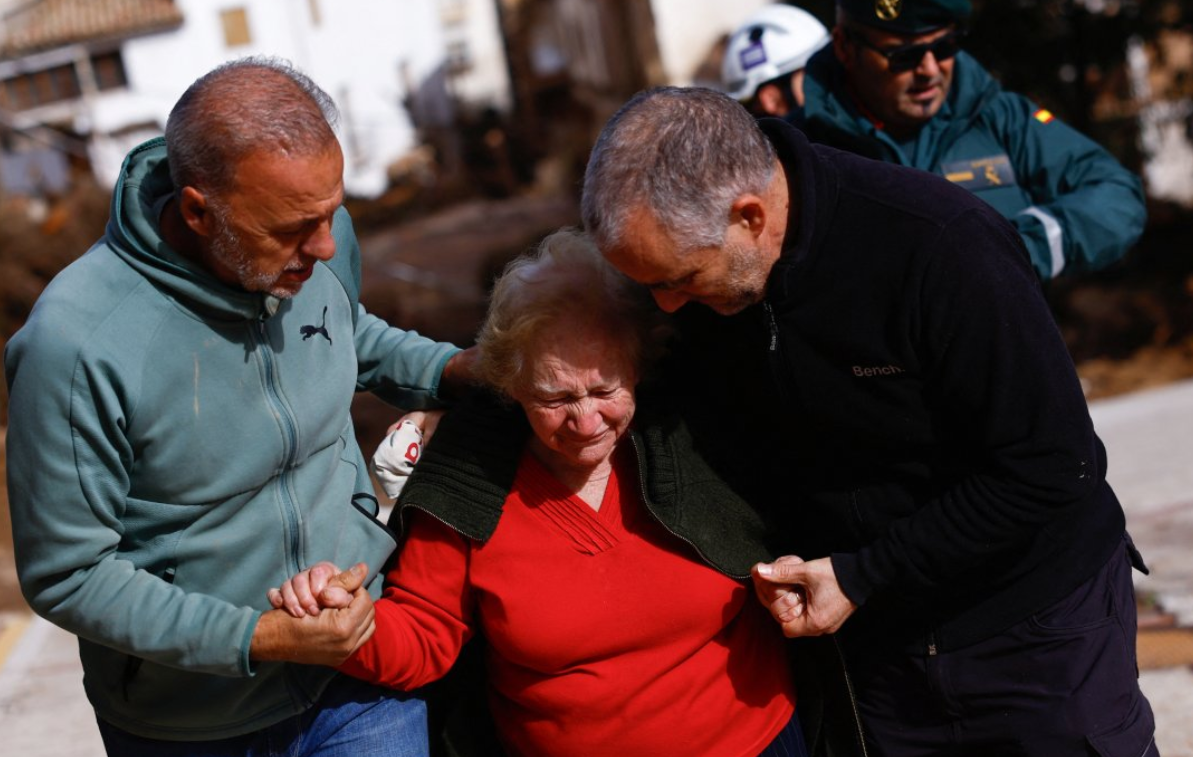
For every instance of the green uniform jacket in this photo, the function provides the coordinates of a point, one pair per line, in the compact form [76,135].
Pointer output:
[1076,207]
[176,447]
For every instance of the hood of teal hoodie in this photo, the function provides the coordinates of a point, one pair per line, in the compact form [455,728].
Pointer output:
[134,234]
[831,117]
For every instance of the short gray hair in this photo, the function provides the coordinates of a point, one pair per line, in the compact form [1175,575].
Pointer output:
[244,106]
[685,154]
[563,278]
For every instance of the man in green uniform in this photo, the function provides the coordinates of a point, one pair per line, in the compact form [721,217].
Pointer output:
[895,86]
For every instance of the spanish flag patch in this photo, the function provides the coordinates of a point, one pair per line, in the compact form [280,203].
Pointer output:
[1043,116]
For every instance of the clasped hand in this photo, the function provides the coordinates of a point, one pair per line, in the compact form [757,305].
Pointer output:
[320,617]
[804,597]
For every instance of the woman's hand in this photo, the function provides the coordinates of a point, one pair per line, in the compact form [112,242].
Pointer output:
[804,597]
[308,592]
[784,601]
[329,638]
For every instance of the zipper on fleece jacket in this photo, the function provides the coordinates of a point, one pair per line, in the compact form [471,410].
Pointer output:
[285,418]
[776,365]
[774,355]
[857,717]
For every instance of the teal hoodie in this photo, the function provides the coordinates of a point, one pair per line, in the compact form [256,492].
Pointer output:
[1074,205]
[176,447]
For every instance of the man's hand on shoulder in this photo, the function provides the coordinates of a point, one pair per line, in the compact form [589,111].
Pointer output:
[459,374]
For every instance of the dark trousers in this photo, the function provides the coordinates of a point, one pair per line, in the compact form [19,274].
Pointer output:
[1063,683]
[789,742]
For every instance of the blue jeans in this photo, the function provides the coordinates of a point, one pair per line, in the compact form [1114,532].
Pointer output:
[351,719]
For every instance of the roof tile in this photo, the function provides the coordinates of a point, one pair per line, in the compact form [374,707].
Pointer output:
[44,24]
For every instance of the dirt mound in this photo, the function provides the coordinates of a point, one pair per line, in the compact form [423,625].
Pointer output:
[1131,326]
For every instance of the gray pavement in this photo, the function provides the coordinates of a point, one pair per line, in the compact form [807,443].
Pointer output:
[1150,451]
[1149,445]
[43,712]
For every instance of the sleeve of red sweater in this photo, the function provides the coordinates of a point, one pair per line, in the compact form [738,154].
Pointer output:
[424,616]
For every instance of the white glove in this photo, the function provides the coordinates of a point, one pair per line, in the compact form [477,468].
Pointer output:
[395,458]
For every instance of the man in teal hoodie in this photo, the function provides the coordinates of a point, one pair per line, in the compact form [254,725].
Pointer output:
[180,438]
[895,86]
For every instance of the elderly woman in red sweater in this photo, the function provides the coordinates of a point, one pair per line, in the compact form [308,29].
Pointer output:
[605,564]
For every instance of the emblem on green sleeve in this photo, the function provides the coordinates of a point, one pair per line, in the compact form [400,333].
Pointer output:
[980,173]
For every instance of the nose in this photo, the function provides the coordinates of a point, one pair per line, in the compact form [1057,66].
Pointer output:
[928,66]
[584,419]
[669,301]
[320,245]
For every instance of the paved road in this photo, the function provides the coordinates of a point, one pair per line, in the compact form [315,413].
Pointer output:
[43,712]
[1150,453]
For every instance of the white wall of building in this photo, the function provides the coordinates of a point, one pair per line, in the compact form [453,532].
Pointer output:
[687,29]
[362,52]
[486,82]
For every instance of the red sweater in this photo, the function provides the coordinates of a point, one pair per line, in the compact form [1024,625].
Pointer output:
[606,635]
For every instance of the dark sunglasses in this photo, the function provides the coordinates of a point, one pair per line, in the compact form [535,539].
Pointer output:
[906,57]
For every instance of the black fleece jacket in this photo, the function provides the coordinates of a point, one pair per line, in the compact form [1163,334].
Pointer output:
[903,401]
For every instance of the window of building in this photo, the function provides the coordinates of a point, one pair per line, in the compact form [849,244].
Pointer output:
[65,82]
[109,70]
[20,92]
[236,27]
[43,87]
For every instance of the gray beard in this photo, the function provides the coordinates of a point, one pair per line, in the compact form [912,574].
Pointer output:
[227,250]
[745,283]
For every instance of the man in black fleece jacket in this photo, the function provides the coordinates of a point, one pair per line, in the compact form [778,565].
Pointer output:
[877,369]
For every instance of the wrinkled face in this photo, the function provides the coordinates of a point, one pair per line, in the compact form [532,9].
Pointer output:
[578,395]
[727,279]
[902,100]
[274,224]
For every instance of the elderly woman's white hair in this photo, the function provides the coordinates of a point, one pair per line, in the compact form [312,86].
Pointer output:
[564,280]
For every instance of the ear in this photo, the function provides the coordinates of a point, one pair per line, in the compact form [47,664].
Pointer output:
[797,87]
[771,100]
[192,204]
[749,210]
[843,47]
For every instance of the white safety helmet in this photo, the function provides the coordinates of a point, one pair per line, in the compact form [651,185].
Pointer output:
[774,41]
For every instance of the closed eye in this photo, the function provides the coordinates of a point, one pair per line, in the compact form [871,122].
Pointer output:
[671,286]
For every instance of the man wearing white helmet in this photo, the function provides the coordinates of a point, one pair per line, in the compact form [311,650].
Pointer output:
[764,62]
